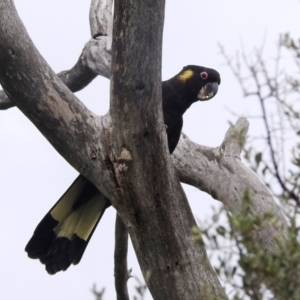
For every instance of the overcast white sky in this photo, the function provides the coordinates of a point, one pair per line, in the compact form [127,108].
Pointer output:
[33,175]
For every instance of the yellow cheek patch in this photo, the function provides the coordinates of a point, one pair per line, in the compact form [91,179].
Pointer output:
[186,75]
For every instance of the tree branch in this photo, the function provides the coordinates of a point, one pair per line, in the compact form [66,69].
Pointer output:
[220,172]
[101,18]
[121,272]
[42,97]
[95,58]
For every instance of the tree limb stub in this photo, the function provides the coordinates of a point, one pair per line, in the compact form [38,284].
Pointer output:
[101,18]
[96,58]
[220,172]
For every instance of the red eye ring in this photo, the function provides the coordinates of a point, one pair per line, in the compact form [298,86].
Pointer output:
[204,75]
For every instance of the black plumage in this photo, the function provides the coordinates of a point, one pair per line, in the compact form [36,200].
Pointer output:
[61,237]
[192,84]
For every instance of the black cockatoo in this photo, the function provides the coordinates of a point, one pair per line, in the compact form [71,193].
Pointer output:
[63,234]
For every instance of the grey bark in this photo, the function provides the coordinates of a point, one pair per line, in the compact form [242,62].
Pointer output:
[107,150]
[152,197]
[121,271]
[95,58]
[101,18]
[220,172]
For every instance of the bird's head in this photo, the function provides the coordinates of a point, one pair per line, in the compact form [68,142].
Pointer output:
[200,82]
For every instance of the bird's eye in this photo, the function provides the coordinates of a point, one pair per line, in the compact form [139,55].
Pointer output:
[204,75]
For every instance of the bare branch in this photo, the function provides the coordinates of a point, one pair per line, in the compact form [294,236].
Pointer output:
[95,58]
[220,172]
[121,272]
[101,18]
[41,95]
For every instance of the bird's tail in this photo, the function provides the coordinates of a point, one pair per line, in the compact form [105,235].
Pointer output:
[61,237]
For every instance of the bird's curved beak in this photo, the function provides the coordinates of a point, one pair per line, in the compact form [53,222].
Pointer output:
[208,91]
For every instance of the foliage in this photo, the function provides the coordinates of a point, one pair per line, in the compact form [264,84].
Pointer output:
[140,290]
[248,270]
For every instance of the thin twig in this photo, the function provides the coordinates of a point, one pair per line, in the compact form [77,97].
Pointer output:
[256,68]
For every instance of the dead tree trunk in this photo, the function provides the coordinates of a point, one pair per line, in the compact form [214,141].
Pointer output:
[124,153]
